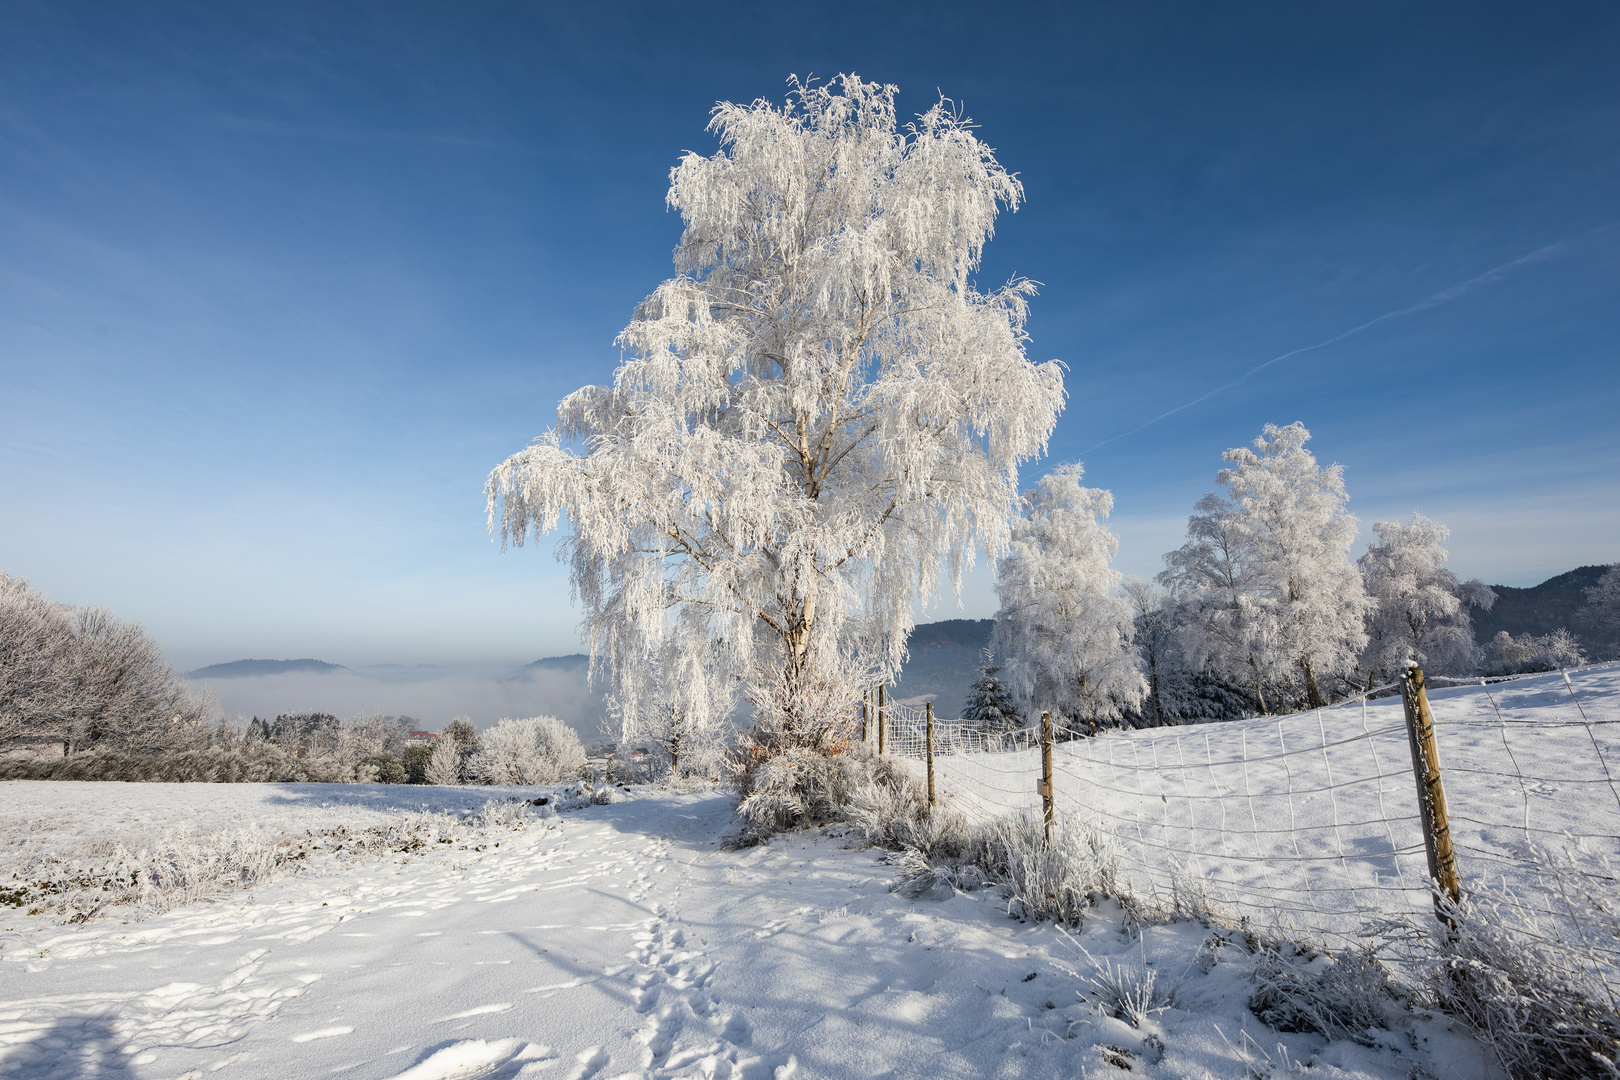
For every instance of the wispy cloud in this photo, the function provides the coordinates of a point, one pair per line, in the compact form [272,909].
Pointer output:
[1444,296]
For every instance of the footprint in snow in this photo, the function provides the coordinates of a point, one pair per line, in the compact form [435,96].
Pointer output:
[686,1026]
[589,1062]
[484,1058]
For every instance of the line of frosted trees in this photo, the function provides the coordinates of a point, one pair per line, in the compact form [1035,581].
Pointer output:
[819,420]
[1262,610]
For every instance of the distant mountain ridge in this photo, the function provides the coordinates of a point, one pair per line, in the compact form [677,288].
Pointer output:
[244,669]
[573,662]
[1555,604]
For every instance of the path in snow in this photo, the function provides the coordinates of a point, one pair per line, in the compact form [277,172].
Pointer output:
[616,941]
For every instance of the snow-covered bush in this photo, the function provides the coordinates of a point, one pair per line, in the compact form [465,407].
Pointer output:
[1057,881]
[444,762]
[83,679]
[817,422]
[796,788]
[538,750]
[889,808]
[1127,991]
[1547,1010]
[1509,655]
[1298,988]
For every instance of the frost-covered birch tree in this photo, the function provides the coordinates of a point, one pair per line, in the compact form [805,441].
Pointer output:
[815,420]
[1420,609]
[1265,578]
[1065,636]
[1213,581]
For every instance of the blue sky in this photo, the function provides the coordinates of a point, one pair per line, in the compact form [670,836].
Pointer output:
[280,283]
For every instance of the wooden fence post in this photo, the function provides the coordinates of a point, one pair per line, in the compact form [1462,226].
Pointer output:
[1045,786]
[1431,793]
[883,722]
[930,755]
[866,697]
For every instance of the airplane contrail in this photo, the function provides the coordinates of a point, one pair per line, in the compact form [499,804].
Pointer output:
[1444,296]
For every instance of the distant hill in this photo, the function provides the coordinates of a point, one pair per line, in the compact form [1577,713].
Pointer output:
[1543,608]
[243,669]
[573,662]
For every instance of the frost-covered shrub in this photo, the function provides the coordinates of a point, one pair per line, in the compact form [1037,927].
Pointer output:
[797,788]
[1509,655]
[1544,1006]
[1057,881]
[380,769]
[415,760]
[257,764]
[889,807]
[444,762]
[538,750]
[1128,992]
[82,678]
[1297,988]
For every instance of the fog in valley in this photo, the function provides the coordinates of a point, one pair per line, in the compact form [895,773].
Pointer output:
[432,694]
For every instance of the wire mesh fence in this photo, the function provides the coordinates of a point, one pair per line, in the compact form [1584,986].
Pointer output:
[1309,822]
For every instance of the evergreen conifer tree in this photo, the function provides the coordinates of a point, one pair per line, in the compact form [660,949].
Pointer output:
[990,705]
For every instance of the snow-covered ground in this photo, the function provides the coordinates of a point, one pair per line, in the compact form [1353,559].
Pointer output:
[611,941]
[1310,820]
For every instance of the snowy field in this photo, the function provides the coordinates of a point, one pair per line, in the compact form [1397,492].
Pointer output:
[610,941]
[1310,821]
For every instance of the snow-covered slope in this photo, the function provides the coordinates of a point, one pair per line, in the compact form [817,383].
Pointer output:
[1311,820]
[613,941]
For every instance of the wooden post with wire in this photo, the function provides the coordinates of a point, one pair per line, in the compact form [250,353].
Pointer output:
[883,722]
[1045,786]
[866,698]
[930,755]
[1431,793]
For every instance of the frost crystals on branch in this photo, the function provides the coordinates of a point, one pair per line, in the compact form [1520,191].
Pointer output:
[1066,639]
[815,417]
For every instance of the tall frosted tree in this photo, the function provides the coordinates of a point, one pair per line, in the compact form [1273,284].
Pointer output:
[1420,609]
[1268,594]
[814,421]
[1066,637]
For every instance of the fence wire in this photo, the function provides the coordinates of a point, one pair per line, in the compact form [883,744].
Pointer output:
[1308,823]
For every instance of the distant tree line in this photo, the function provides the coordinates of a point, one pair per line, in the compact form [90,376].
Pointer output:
[84,695]
[1261,611]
